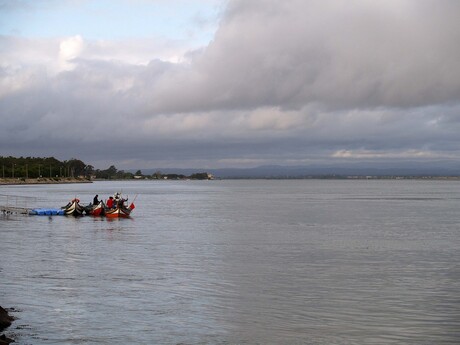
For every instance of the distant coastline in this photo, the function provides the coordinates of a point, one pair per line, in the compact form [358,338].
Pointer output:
[56,180]
[67,180]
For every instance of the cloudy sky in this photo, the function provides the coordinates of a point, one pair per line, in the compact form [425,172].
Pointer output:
[237,83]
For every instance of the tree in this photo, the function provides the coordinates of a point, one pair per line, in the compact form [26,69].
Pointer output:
[89,170]
[157,175]
[112,171]
[109,173]
[76,167]
[200,176]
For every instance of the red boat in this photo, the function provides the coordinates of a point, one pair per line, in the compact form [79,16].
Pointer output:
[120,211]
[97,210]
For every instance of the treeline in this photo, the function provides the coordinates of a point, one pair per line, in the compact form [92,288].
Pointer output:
[37,167]
[113,173]
[160,176]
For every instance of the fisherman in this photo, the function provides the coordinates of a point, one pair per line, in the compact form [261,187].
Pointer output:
[109,202]
[121,203]
[96,200]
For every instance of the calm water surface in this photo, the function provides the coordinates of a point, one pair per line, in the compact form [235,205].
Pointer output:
[238,262]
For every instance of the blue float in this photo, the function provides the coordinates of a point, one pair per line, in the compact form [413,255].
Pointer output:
[46,212]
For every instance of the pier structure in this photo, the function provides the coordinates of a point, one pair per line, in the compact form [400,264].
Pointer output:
[15,204]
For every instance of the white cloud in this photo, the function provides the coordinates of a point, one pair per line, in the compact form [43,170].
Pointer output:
[70,49]
[274,119]
[367,154]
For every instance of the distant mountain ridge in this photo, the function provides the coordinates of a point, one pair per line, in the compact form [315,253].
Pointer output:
[438,168]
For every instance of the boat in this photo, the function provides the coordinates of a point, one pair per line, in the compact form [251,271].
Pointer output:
[73,208]
[120,211]
[96,210]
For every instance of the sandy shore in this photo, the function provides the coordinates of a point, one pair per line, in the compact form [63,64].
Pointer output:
[57,180]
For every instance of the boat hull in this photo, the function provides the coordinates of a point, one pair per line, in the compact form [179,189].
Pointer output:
[119,212]
[98,210]
[73,209]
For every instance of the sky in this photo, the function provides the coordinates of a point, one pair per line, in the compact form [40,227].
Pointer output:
[230,83]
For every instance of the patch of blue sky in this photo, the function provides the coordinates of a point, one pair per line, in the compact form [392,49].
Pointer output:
[111,19]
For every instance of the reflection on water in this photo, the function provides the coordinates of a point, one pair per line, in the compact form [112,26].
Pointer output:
[238,262]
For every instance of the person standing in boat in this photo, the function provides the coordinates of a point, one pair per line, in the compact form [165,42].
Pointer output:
[117,196]
[120,203]
[96,200]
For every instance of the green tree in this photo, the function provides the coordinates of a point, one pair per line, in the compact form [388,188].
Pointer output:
[200,176]
[75,167]
[157,175]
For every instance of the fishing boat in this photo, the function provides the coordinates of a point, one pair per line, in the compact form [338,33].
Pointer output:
[73,208]
[120,211]
[96,210]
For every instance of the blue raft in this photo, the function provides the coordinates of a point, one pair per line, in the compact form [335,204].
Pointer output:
[46,212]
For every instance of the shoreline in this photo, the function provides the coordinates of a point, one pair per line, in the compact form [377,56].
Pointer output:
[29,181]
[5,322]
[66,180]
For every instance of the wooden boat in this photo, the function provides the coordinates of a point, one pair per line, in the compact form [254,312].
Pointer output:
[120,211]
[73,208]
[96,210]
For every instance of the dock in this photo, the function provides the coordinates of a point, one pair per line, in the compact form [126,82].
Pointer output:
[15,204]
[13,210]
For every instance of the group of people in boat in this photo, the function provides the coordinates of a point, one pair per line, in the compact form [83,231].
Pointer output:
[115,207]
[112,202]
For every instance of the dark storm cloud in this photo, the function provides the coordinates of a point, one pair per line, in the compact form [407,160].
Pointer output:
[282,82]
[338,54]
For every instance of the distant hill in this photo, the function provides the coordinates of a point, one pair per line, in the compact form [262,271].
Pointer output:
[416,169]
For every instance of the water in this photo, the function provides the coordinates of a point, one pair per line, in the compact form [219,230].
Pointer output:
[238,262]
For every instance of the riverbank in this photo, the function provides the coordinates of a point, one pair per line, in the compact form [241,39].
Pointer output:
[42,180]
[5,322]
